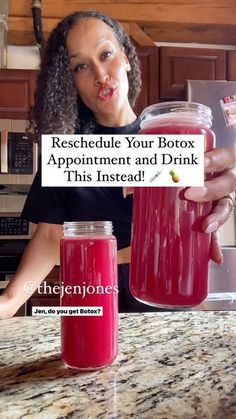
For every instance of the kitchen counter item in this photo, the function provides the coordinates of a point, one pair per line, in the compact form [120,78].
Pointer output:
[88,260]
[170,365]
[222,284]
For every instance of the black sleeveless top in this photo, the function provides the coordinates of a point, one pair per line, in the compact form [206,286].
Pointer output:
[58,204]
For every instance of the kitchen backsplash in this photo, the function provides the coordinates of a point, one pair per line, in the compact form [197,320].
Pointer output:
[14,125]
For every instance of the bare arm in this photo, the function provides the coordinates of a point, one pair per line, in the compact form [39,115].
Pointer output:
[39,258]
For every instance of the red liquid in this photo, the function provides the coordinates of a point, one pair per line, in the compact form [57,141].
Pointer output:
[170,254]
[90,342]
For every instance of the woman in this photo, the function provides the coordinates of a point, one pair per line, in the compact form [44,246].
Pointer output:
[89,81]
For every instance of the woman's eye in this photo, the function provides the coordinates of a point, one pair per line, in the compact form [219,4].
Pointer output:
[107,54]
[80,67]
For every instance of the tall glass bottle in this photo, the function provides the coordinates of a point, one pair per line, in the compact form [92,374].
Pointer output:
[170,252]
[88,256]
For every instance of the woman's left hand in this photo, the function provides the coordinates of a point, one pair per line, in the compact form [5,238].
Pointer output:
[221,162]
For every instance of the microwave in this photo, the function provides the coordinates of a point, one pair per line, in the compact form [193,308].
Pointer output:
[18,157]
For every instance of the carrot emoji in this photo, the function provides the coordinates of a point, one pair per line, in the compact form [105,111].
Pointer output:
[175,177]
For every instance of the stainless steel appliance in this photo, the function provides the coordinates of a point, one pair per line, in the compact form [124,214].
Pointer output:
[14,235]
[18,157]
[220,96]
[222,283]
[215,94]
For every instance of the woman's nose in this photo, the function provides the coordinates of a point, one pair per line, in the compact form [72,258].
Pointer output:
[100,76]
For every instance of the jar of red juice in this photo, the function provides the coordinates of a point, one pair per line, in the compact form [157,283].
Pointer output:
[88,266]
[169,251]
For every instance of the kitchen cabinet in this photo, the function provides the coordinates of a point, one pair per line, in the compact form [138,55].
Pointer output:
[164,72]
[16,92]
[231,73]
[149,60]
[178,64]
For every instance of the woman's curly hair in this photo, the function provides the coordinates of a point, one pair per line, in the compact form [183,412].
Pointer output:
[58,108]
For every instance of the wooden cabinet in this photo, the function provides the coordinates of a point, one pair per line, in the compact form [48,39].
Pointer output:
[164,72]
[16,93]
[48,294]
[180,64]
[149,60]
[231,73]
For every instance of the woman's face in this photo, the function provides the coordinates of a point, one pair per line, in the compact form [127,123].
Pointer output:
[99,67]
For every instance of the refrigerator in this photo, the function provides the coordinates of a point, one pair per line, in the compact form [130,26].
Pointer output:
[220,96]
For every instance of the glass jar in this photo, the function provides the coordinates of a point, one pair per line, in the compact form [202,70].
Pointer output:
[169,251]
[88,264]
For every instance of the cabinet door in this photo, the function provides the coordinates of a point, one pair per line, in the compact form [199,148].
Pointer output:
[16,92]
[231,65]
[180,64]
[148,57]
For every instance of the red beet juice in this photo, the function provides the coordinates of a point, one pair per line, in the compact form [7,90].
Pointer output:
[89,268]
[170,253]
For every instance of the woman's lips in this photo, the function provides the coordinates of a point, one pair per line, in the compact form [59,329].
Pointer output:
[106,92]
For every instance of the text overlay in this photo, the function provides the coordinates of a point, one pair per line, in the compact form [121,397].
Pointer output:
[123,160]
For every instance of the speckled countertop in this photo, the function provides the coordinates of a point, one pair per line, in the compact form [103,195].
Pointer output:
[171,365]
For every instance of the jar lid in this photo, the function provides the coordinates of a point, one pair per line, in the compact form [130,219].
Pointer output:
[180,111]
[75,228]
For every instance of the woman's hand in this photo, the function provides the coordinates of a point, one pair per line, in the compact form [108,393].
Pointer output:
[221,162]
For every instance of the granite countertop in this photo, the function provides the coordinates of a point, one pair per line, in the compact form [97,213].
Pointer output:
[170,365]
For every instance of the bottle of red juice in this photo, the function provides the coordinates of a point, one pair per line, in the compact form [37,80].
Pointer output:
[88,264]
[169,251]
